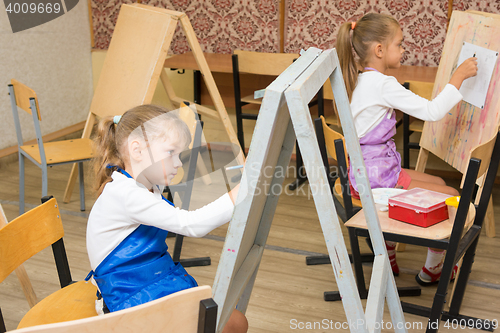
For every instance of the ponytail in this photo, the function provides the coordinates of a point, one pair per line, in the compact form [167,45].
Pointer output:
[106,152]
[347,62]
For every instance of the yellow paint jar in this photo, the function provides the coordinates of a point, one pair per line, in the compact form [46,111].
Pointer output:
[452,203]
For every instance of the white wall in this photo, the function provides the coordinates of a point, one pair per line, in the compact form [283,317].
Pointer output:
[54,60]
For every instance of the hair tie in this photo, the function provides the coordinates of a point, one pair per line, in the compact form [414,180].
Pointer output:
[353,25]
[116,119]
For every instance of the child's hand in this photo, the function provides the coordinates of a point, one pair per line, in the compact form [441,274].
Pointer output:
[234,193]
[466,70]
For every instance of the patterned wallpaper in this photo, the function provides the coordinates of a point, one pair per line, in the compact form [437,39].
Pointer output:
[220,25]
[224,25]
[315,23]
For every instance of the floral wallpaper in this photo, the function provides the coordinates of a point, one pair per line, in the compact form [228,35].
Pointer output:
[315,23]
[220,25]
[225,25]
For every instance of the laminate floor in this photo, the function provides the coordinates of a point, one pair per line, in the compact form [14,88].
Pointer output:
[287,296]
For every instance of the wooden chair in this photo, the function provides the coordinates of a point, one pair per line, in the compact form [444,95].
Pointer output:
[27,235]
[423,89]
[268,64]
[187,311]
[346,206]
[259,63]
[42,154]
[326,140]
[459,238]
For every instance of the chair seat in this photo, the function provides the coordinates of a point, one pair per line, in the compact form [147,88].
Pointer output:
[62,151]
[75,301]
[338,194]
[249,99]
[416,125]
[437,231]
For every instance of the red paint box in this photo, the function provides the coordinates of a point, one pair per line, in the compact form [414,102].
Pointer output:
[419,207]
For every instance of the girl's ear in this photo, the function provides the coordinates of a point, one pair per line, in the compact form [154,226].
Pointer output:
[135,150]
[379,50]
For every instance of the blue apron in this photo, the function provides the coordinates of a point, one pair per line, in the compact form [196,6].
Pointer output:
[140,269]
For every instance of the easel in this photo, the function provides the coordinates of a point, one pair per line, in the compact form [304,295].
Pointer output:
[465,127]
[284,117]
[134,63]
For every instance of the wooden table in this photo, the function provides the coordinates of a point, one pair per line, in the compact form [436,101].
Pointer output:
[216,61]
[221,63]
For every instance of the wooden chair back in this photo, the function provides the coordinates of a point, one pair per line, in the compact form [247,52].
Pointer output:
[23,95]
[28,234]
[176,313]
[421,88]
[484,152]
[330,137]
[264,63]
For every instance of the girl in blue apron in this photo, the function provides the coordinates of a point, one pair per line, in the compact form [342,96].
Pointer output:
[136,155]
[377,41]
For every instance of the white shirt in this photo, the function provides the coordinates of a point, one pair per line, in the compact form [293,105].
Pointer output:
[376,94]
[125,204]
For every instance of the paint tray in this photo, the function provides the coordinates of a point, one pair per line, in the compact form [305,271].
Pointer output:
[419,207]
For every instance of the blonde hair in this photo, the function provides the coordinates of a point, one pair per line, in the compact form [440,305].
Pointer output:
[373,27]
[111,139]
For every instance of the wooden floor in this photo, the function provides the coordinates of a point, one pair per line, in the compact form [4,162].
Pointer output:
[288,295]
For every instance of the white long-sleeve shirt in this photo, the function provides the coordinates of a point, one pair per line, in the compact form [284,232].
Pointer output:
[125,204]
[376,93]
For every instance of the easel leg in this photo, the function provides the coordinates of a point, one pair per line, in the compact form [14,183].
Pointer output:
[489,220]
[210,83]
[245,297]
[423,155]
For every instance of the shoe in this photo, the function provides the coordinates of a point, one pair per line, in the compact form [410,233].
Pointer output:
[434,277]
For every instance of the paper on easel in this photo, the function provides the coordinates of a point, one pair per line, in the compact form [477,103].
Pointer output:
[474,89]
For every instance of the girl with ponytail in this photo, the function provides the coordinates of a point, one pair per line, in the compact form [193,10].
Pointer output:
[367,49]
[136,155]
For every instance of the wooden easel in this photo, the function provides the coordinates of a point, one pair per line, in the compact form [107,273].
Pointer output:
[284,117]
[465,127]
[134,63]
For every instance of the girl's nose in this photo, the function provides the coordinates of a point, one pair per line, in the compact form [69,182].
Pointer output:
[178,162]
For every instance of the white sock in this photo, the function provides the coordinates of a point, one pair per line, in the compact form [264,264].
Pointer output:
[433,264]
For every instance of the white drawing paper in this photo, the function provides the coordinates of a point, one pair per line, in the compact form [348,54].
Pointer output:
[474,89]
